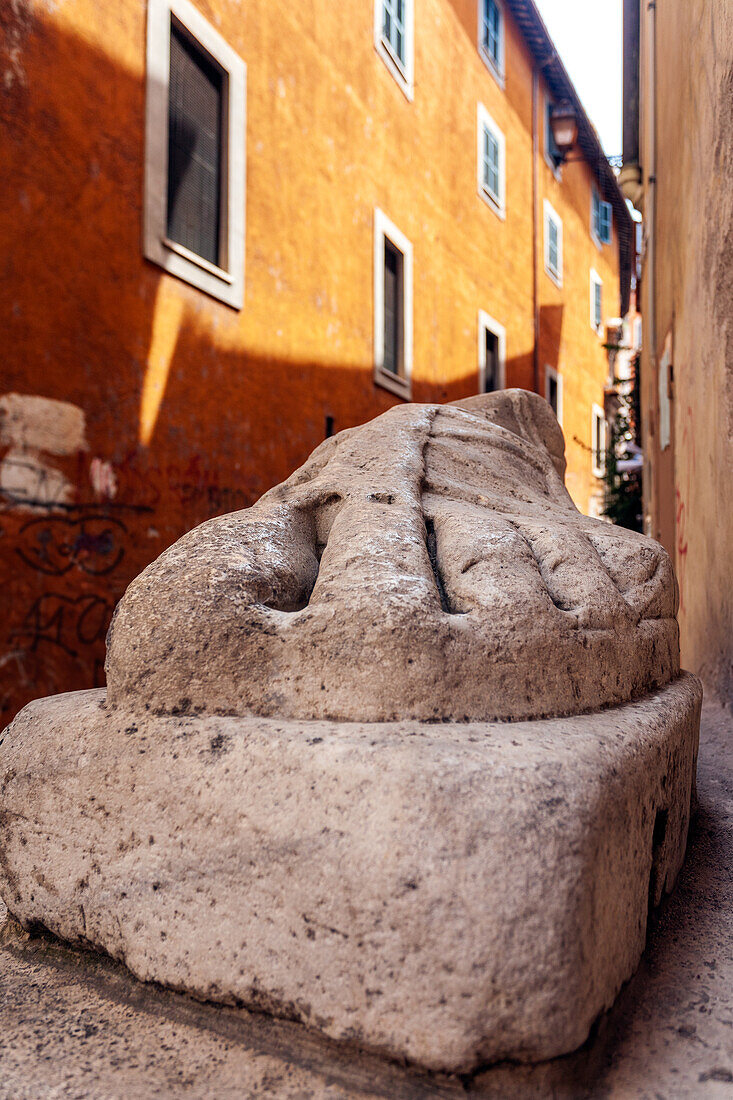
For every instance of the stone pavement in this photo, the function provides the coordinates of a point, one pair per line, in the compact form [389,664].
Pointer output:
[76,1025]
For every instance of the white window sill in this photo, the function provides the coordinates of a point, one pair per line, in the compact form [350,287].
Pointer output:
[554,276]
[600,245]
[491,65]
[393,382]
[491,202]
[396,69]
[556,169]
[193,258]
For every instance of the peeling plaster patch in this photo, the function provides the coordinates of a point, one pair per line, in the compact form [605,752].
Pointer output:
[29,482]
[17,30]
[103,479]
[16,73]
[41,423]
[32,427]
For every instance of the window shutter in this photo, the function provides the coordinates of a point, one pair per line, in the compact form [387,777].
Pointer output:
[597,304]
[596,215]
[553,250]
[194,148]
[491,164]
[606,217]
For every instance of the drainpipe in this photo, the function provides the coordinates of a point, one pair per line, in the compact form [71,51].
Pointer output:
[630,177]
[535,220]
[651,503]
[651,182]
[631,82]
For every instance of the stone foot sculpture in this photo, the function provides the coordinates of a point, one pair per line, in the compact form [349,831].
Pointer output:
[403,751]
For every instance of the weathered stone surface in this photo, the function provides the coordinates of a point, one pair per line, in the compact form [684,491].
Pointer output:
[429,564]
[452,893]
[293,794]
[76,1024]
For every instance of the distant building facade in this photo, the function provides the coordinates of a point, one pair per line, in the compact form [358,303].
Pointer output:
[678,145]
[230,230]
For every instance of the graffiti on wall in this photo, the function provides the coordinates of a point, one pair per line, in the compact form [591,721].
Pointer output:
[682,495]
[75,529]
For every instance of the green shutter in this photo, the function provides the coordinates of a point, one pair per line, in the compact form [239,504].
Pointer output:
[606,221]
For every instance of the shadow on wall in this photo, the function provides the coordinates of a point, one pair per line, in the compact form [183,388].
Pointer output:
[124,423]
[551,318]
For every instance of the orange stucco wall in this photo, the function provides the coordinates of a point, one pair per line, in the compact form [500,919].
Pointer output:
[229,401]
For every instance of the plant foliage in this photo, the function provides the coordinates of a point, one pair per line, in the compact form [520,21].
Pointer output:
[623,501]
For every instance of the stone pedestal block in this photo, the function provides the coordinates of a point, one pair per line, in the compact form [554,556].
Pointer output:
[450,893]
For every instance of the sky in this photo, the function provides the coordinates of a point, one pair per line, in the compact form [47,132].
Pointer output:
[588,37]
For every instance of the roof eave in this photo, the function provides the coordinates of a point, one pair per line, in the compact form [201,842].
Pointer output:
[548,62]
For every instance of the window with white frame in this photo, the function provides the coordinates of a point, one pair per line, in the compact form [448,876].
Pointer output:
[598,441]
[394,39]
[491,36]
[601,219]
[194,152]
[491,161]
[596,301]
[392,306]
[553,391]
[491,354]
[553,243]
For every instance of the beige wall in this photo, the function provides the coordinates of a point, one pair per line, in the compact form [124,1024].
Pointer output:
[687,294]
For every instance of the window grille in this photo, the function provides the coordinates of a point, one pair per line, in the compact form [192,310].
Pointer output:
[491,369]
[195,107]
[392,307]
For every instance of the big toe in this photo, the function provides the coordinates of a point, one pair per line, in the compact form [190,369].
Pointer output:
[641,570]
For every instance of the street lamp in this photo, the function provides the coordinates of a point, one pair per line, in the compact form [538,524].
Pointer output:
[564,124]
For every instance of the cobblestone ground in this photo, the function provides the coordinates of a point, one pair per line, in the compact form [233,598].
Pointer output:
[72,1025]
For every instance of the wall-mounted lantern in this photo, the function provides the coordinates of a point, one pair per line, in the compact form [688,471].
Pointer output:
[564,123]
